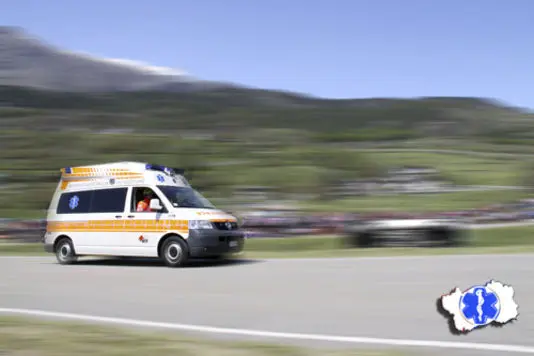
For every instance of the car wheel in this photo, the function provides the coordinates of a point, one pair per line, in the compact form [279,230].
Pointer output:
[65,253]
[175,252]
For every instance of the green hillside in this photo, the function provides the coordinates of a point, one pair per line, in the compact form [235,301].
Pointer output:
[255,137]
[233,109]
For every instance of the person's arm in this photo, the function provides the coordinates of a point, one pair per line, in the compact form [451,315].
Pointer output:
[140,206]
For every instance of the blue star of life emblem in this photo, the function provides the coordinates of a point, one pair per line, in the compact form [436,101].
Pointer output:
[161,178]
[480,305]
[73,202]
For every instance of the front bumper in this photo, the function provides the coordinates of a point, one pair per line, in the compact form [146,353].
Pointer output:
[205,243]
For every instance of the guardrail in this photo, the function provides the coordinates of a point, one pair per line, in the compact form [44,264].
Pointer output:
[24,236]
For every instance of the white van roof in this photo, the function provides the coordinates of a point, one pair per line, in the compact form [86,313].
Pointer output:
[120,174]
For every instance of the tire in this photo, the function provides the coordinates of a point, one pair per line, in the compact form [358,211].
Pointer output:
[174,252]
[65,253]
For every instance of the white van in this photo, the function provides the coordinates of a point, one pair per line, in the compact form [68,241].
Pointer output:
[97,211]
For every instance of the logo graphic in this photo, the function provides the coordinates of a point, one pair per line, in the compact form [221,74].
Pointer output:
[481,305]
[142,239]
[161,178]
[73,202]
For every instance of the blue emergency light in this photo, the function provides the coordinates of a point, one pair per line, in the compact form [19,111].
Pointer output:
[164,169]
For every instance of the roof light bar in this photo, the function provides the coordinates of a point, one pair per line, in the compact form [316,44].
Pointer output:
[166,170]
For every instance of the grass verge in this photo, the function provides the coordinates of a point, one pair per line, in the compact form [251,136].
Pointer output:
[515,239]
[24,336]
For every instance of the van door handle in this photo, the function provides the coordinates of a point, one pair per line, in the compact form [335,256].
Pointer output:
[131,216]
[118,216]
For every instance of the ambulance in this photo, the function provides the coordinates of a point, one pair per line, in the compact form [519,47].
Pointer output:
[136,209]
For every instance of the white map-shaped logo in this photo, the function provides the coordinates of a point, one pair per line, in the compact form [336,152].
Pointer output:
[481,305]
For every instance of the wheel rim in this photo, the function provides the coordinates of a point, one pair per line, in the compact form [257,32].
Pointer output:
[174,252]
[64,251]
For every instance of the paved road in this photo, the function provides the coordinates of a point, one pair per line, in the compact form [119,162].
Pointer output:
[367,297]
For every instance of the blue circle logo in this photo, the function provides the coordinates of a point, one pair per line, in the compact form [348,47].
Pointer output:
[480,305]
[73,202]
[161,178]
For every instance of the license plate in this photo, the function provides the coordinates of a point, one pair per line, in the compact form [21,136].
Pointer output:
[232,243]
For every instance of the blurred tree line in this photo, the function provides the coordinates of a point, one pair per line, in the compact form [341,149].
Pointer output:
[255,137]
[238,110]
[32,162]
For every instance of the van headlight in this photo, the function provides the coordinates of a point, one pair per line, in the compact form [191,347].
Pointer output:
[200,224]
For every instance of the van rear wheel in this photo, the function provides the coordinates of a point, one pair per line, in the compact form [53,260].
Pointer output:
[175,252]
[65,254]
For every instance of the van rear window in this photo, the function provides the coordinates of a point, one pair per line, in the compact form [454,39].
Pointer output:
[74,203]
[93,201]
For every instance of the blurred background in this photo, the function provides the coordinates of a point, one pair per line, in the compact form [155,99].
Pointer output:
[306,120]
[444,136]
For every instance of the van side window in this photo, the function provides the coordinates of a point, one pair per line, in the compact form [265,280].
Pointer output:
[74,203]
[108,200]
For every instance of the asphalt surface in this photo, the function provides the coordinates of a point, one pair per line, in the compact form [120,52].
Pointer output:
[364,297]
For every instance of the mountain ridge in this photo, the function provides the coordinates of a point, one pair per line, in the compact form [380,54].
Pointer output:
[71,90]
[28,61]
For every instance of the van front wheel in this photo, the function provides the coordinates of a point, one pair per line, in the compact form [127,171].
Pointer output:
[174,252]
[65,252]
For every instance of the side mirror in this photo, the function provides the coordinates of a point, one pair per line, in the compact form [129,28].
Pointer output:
[155,204]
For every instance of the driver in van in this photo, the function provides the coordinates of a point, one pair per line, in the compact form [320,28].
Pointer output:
[144,205]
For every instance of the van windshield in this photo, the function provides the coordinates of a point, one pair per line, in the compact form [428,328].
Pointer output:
[185,197]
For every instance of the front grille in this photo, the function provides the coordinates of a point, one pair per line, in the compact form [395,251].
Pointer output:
[222,226]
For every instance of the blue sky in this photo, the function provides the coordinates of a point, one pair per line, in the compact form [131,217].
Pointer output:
[336,48]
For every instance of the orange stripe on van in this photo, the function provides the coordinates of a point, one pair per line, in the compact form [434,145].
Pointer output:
[118,226]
